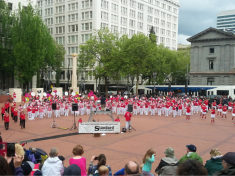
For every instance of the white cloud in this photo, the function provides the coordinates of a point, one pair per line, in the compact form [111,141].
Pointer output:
[182,39]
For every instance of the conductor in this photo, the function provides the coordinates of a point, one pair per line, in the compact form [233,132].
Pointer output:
[128,120]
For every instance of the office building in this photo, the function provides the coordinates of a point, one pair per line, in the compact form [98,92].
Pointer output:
[226,20]
[71,22]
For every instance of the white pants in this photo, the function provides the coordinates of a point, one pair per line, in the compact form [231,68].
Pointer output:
[141,111]
[33,116]
[118,111]
[66,112]
[146,111]
[134,111]
[62,111]
[82,111]
[128,123]
[179,112]
[163,110]
[88,111]
[76,113]
[166,111]
[114,109]
[152,111]
[174,113]
[159,112]
[29,114]
[41,115]
[57,113]
[49,114]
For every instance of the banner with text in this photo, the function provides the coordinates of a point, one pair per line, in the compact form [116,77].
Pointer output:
[99,127]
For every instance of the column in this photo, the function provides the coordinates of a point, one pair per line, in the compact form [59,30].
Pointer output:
[74,76]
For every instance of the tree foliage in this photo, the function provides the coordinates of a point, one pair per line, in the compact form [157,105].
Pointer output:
[101,52]
[33,46]
[7,59]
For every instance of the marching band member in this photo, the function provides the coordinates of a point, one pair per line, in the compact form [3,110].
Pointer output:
[213,115]
[224,112]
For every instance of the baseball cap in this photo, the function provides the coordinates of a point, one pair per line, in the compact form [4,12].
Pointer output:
[192,147]
[229,158]
[27,167]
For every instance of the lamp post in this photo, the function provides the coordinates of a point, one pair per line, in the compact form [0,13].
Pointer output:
[154,78]
[68,76]
[186,85]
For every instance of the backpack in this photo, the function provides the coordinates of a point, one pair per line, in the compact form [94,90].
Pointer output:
[124,130]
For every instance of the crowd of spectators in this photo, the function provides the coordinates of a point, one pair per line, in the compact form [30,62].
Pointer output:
[29,162]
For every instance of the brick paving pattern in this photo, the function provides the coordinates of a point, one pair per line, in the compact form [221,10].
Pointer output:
[152,132]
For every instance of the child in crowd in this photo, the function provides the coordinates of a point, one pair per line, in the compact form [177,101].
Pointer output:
[148,159]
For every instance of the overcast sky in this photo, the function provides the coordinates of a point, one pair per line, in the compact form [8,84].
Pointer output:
[198,15]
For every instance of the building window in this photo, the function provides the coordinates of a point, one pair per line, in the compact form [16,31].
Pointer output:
[211,64]
[210,81]
[10,6]
[222,92]
[212,50]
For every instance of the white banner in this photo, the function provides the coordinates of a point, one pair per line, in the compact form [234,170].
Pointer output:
[99,127]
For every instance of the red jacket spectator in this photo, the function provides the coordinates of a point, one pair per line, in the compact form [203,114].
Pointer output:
[6,118]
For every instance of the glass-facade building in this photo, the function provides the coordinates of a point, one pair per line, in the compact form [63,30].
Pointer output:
[226,20]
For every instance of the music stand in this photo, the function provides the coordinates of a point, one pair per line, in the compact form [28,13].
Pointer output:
[74,126]
[131,127]
[54,124]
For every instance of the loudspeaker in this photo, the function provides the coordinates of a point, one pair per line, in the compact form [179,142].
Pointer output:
[53,106]
[123,130]
[74,107]
[130,108]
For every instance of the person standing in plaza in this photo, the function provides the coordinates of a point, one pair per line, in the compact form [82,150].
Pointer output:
[14,96]
[148,159]
[213,115]
[6,120]
[224,112]
[128,120]
[3,111]
[188,112]
[22,119]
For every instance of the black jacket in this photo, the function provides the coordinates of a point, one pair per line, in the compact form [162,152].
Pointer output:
[103,99]
[227,171]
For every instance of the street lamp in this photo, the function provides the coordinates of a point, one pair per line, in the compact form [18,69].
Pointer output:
[132,80]
[128,83]
[68,76]
[154,78]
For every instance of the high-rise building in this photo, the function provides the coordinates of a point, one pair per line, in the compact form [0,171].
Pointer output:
[226,20]
[71,23]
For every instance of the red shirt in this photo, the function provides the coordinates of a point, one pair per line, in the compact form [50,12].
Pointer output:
[188,109]
[224,108]
[117,120]
[6,118]
[206,102]
[213,111]
[180,106]
[80,121]
[128,116]
[15,113]
[22,116]
[14,95]
[3,110]
[204,108]
[220,106]
[233,110]
[214,103]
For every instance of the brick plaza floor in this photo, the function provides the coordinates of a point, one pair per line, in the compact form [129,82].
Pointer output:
[152,132]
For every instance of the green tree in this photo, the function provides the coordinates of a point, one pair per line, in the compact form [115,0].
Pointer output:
[101,52]
[7,59]
[33,46]
[59,59]
[152,35]
[139,57]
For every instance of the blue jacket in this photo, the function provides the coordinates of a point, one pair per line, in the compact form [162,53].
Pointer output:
[120,172]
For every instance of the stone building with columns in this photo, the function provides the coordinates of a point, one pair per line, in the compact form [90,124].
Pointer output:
[212,59]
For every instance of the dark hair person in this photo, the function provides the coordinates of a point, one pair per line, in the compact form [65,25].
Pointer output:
[191,167]
[4,167]
[93,169]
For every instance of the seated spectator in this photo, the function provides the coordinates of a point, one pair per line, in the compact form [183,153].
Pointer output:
[103,171]
[132,168]
[215,163]
[5,169]
[53,165]
[228,164]
[122,171]
[78,159]
[191,154]
[169,164]
[27,167]
[191,167]
[101,161]
[72,170]
[37,156]
[28,152]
